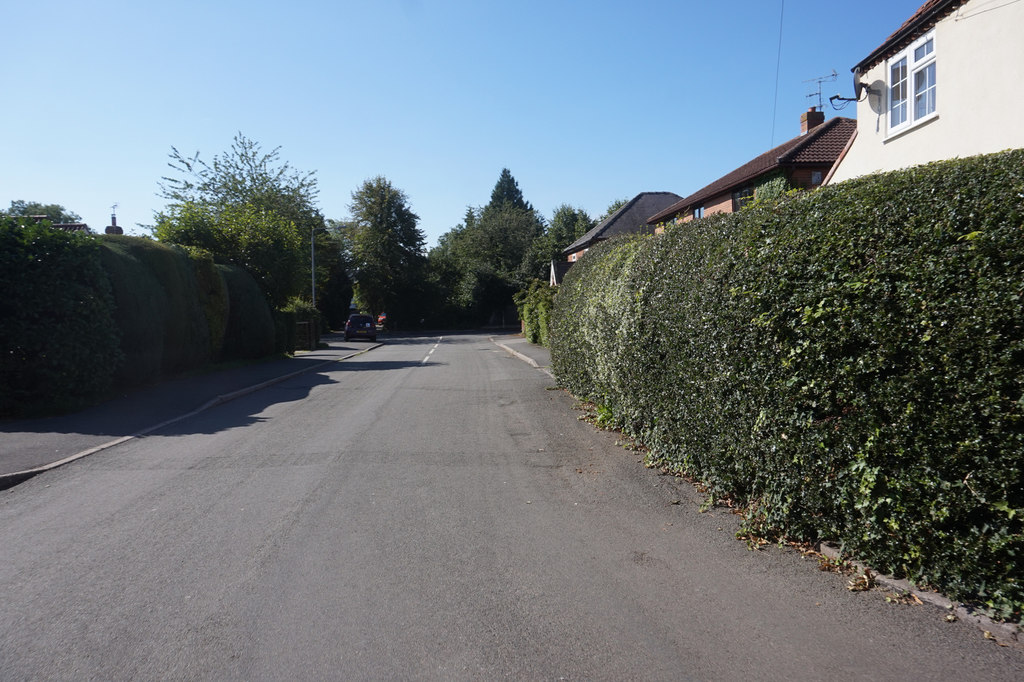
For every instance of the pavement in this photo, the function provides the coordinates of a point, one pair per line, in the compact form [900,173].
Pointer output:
[530,353]
[32,446]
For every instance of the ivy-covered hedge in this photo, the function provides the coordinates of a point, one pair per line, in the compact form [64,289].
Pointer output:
[847,363]
[59,345]
[534,306]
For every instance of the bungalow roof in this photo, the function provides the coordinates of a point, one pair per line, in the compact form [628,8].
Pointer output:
[821,145]
[630,218]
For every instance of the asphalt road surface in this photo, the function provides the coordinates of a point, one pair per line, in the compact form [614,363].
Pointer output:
[429,510]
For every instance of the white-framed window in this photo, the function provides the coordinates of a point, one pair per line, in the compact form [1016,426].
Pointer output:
[698,212]
[912,85]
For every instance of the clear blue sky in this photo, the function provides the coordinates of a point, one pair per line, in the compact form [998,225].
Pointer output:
[585,102]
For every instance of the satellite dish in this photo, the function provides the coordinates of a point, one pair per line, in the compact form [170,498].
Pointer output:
[858,87]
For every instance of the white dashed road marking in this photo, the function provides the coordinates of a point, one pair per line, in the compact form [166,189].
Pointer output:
[432,350]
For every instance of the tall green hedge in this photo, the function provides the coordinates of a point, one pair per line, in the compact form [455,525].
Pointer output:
[58,343]
[534,306]
[848,364]
[186,342]
[250,331]
[85,313]
[139,310]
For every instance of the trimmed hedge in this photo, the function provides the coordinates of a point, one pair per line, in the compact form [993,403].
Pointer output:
[250,331]
[534,306]
[139,311]
[58,342]
[847,364]
[85,313]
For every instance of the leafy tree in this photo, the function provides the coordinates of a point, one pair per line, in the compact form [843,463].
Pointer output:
[245,207]
[386,248]
[334,288]
[55,213]
[612,208]
[478,265]
[506,230]
[272,248]
[245,175]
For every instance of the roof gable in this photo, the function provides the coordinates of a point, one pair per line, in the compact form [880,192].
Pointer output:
[820,146]
[631,218]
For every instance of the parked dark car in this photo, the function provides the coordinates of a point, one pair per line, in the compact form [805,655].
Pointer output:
[360,327]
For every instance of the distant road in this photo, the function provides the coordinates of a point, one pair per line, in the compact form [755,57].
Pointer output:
[429,510]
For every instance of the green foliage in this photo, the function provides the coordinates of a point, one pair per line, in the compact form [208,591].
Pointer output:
[213,298]
[567,225]
[140,310]
[481,263]
[60,344]
[270,247]
[180,317]
[612,208]
[299,310]
[846,364]
[771,187]
[251,331]
[55,213]
[386,252]
[245,176]
[534,304]
[334,288]
[506,192]
[246,208]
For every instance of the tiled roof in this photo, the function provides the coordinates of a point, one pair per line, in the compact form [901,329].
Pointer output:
[821,145]
[630,218]
[926,16]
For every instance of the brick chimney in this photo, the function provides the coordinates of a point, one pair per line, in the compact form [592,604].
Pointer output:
[811,119]
[113,228]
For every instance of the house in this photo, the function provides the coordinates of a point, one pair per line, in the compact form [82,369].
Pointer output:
[802,162]
[942,86]
[558,270]
[631,218]
[63,227]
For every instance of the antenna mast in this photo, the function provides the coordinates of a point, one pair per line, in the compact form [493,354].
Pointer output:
[818,81]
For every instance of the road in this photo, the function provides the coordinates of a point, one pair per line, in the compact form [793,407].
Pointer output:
[432,509]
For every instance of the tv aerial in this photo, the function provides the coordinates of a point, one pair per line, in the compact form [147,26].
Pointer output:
[818,81]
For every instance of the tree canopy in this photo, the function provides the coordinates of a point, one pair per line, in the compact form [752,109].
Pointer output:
[386,250]
[483,261]
[55,213]
[245,174]
[245,207]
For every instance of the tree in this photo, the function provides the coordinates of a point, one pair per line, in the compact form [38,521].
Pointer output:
[482,262]
[567,225]
[506,229]
[386,248]
[245,175]
[506,191]
[272,248]
[613,207]
[55,213]
[245,207]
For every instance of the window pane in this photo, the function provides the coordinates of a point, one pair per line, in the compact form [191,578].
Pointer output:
[924,91]
[924,50]
[898,93]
